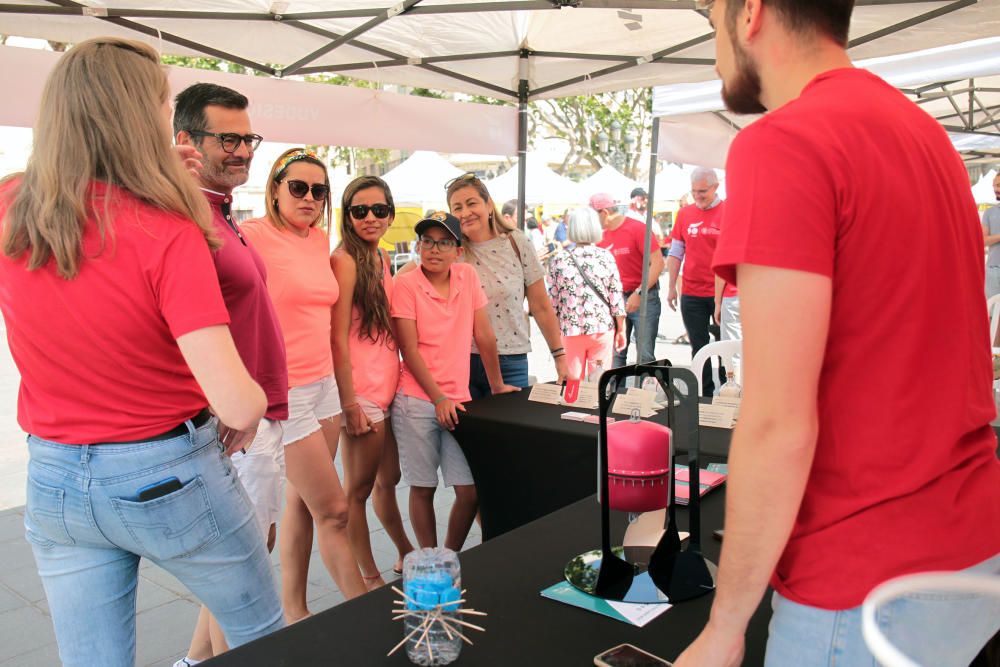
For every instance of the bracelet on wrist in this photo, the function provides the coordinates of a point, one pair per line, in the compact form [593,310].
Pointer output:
[557,350]
[439,400]
[559,354]
[350,405]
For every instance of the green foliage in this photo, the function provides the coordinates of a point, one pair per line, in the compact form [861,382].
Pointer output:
[581,119]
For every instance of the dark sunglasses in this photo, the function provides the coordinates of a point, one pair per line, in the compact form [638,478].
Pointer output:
[360,212]
[467,176]
[230,141]
[298,189]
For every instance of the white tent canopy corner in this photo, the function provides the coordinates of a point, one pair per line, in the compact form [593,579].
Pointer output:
[420,179]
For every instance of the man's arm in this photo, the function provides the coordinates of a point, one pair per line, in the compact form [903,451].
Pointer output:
[673,270]
[776,432]
[989,239]
[720,287]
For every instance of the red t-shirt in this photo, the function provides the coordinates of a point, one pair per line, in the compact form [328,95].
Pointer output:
[854,182]
[254,322]
[699,230]
[97,354]
[626,243]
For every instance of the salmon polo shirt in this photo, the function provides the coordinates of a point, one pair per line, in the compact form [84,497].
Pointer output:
[444,328]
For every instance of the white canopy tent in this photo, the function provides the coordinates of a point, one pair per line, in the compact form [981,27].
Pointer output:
[982,191]
[957,84]
[514,50]
[508,49]
[542,186]
[610,180]
[420,179]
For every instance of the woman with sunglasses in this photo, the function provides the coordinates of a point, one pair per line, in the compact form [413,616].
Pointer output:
[509,271]
[302,286]
[118,328]
[366,363]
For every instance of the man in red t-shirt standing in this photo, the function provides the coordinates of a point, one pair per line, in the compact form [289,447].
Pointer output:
[625,238]
[694,237]
[845,470]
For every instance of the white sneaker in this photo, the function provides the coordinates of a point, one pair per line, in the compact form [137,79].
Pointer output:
[187,662]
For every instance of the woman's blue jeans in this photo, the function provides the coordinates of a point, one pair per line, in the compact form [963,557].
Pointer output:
[88,531]
[513,369]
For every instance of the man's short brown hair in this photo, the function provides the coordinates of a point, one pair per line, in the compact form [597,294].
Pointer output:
[831,18]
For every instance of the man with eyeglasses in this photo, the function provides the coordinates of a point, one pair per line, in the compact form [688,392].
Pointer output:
[694,237]
[213,120]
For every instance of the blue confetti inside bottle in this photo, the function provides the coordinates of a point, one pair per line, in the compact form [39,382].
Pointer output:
[432,577]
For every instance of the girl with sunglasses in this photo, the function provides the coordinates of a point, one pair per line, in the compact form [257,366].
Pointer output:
[366,362]
[303,288]
[509,271]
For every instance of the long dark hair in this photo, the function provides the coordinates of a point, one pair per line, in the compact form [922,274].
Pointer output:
[369,295]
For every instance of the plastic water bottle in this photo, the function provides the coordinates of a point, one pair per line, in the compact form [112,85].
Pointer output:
[731,388]
[596,371]
[432,578]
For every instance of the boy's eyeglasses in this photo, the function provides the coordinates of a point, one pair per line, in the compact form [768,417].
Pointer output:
[428,243]
[360,212]
[298,189]
[230,141]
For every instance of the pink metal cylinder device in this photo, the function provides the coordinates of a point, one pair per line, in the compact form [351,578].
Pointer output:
[638,465]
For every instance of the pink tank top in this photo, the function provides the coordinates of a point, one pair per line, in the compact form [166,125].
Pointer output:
[375,366]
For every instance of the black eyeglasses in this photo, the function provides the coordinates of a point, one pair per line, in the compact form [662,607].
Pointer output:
[230,141]
[298,189]
[428,243]
[360,212]
[467,176]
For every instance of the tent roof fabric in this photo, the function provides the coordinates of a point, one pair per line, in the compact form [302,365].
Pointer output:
[420,178]
[610,180]
[571,47]
[542,186]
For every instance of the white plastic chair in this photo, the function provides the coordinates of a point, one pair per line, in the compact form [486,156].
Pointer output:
[951,582]
[401,256]
[726,349]
[993,308]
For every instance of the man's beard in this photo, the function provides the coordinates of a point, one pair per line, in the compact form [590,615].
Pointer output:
[742,94]
[217,175]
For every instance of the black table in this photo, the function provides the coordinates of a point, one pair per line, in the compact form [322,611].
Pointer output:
[527,462]
[504,578]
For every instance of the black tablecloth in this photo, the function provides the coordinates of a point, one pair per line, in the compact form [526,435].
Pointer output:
[528,462]
[504,578]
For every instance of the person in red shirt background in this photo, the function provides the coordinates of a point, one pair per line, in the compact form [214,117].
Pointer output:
[694,237]
[844,470]
[625,238]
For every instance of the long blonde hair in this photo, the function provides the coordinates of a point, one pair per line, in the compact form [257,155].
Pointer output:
[100,119]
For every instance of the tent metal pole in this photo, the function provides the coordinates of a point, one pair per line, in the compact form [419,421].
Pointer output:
[384,16]
[644,292]
[522,136]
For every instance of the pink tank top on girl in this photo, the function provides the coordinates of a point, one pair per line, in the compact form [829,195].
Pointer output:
[374,366]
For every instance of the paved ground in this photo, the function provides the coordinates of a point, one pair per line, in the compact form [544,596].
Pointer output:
[166,610]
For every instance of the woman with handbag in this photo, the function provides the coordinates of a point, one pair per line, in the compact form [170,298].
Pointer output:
[510,272]
[586,293]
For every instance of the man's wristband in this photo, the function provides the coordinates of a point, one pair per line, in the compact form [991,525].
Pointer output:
[439,399]
[557,351]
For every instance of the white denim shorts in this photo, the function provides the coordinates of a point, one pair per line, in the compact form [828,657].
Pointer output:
[262,472]
[371,409]
[425,445]
[307,405]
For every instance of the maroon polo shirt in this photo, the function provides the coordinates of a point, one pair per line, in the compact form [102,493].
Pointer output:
[252,320]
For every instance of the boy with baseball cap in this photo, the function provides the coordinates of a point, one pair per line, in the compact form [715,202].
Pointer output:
[438,310]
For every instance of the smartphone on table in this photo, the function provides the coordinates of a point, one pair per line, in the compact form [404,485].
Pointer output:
[626,655]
